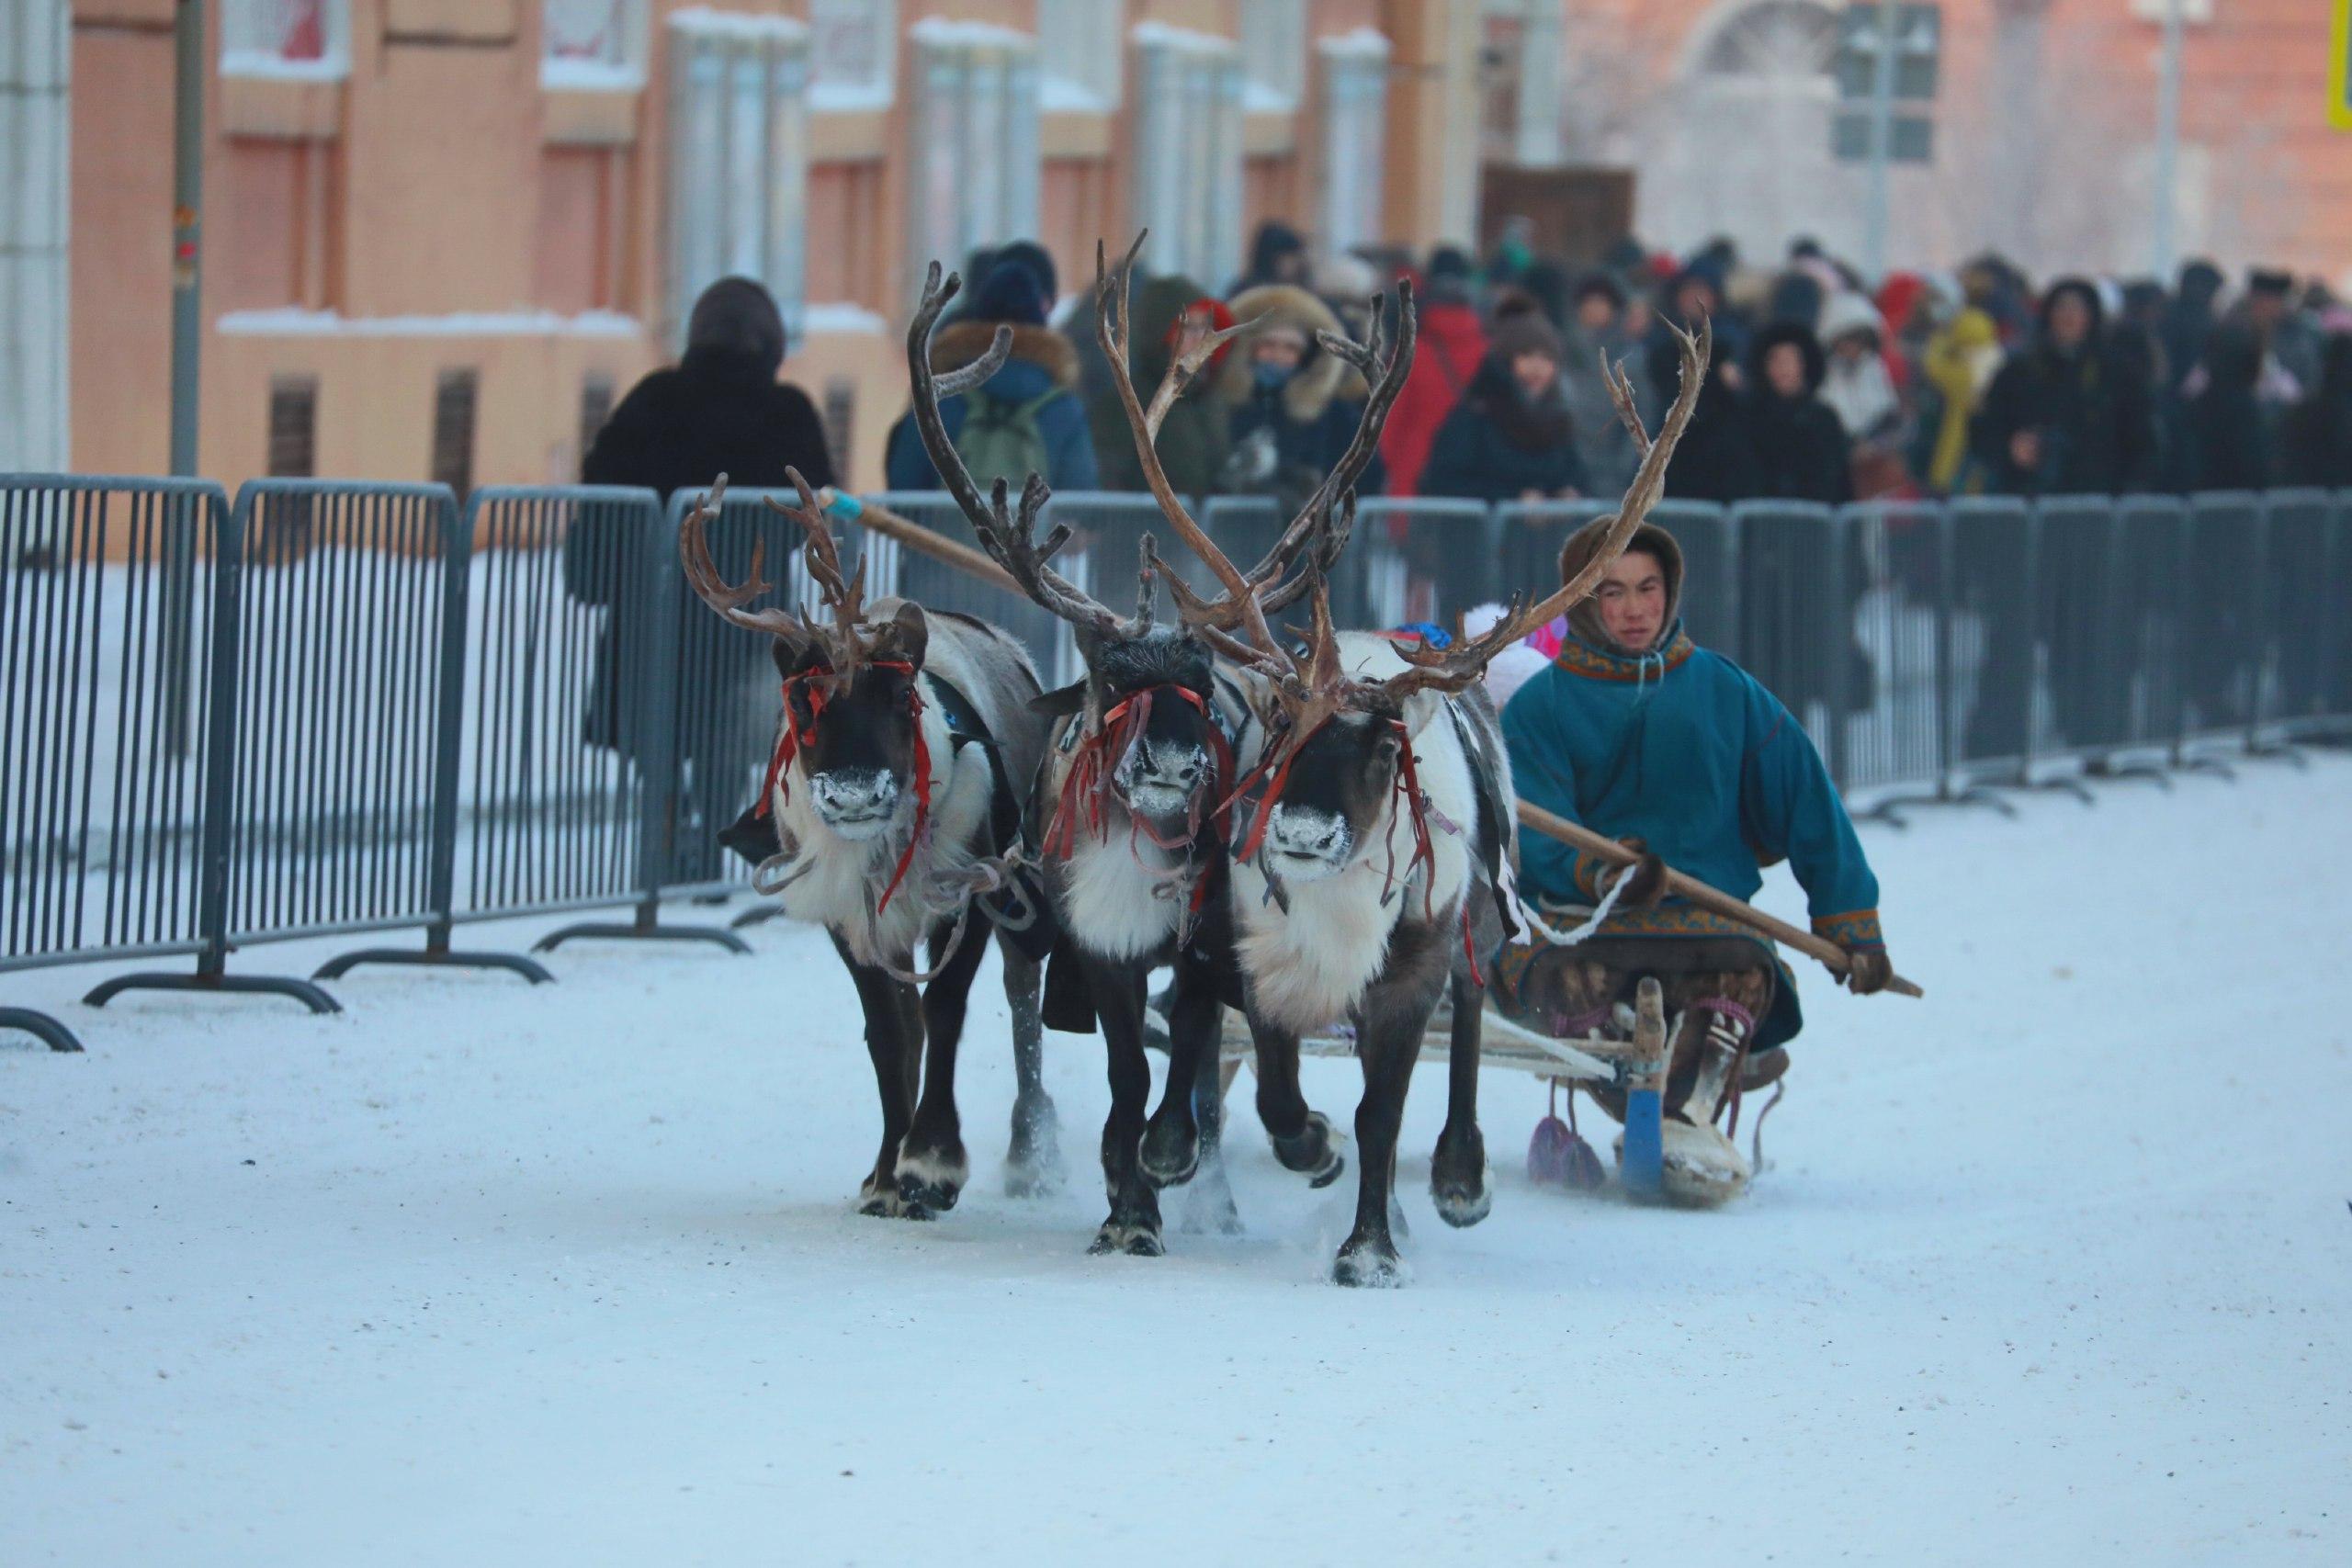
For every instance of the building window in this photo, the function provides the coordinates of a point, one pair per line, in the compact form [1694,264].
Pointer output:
[597,45]
[1273,54]
[1355,122]
[1188,89]
[975,143]
[738,157]
[293,427]
[852,52]
[1080,47]
[453,396]
[295,40]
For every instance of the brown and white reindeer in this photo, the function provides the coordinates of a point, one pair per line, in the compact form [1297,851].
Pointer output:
[1125,807]
[1370,842]
[891,789]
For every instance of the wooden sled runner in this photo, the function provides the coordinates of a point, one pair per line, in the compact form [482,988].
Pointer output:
[1637,1066]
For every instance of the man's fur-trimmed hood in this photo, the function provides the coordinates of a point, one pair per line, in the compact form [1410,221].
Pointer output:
[958,343]
[1320,377]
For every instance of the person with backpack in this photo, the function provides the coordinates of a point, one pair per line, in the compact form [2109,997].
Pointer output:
[1026,418]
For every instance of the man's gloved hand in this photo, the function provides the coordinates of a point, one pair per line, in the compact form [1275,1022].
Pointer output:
[1867,969]
[1645,880]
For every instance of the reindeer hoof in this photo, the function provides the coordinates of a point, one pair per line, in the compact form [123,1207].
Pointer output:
[1026,1179]
[1033,1162]
[1310,1152]
[932,1179]
[1135,1241]
[887,1203]
[1368,1266]
[1169,1156]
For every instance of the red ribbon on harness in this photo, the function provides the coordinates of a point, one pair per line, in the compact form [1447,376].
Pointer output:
[1409,790]
[1087,784]
[814,686]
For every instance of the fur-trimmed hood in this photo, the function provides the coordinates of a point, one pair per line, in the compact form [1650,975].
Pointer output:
[1320,377]
[1044,353]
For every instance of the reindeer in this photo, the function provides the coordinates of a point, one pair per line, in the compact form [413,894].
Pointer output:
[1141,756]
[1370,741]
[892,795]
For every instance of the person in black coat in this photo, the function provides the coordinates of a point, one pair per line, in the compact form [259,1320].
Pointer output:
[2066,416]
[719,410]
[2225,441]
[2318,434]
[1800,446]
[1510,438]
[1717,458]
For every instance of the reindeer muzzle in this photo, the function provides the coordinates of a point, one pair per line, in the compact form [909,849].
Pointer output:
[855,802]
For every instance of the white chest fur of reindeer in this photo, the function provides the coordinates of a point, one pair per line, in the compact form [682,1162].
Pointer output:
[837,872]
[1309,963]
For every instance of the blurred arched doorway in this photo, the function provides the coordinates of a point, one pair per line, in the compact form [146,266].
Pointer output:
[1747,149]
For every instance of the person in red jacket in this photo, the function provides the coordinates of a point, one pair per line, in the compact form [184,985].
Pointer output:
[1447,354]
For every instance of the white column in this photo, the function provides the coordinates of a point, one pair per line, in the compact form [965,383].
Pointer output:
[36,51]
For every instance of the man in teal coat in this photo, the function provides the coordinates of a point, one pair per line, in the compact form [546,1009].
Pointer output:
[1636,732]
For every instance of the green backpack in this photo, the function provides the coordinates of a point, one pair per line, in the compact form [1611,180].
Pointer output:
[1002,440]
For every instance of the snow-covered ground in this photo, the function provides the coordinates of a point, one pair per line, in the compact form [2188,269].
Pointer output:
[2055,1266]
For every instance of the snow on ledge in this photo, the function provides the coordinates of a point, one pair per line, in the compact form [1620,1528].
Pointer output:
[945,33]
[589,77]
[256,64]
[293,322]
[1360,43]
[842,318]
[1184,39]
[710,21]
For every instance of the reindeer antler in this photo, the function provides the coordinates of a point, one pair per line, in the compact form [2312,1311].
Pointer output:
[1009,537]
[702,573]
[1451,669]
[844,597]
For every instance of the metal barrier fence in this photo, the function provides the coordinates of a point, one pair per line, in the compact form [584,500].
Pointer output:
[341,708]
[108,729]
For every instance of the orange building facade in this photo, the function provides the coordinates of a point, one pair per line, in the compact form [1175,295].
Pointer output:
[442,236]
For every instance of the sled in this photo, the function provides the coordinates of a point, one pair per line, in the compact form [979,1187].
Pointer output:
[1637,1066]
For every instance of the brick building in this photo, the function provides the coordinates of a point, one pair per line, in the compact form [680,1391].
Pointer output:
[2042,136]
[442,235]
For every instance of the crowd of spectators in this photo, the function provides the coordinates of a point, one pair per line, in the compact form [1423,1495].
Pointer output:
[1823,388]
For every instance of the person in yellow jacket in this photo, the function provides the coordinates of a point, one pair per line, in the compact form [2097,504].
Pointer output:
[1959,363]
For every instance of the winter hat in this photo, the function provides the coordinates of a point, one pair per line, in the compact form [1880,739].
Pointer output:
[1219,318]
[1037,259]
[1523,331]
[737,319]
[1844,314]
[1584,617]
[1345,278]
[1010,292]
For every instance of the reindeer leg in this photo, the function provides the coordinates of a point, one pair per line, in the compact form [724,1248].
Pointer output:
[1171,1141]
[894,1041]
[1133,1226]
[1389,1024]
[933,1167]
[1458,1171]
[1302,1138]
[1033,1162]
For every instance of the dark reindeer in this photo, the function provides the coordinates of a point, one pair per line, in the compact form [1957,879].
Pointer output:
[890,788]
[1141,756]
[1370,840]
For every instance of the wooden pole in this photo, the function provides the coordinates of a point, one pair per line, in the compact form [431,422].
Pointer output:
[922,540]
[1698,893]
[964,558]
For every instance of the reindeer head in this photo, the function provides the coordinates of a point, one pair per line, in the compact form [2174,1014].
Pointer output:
[852,711]
[1151,740]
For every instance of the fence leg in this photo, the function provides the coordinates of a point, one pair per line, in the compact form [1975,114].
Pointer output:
[41,1027]
[437,953]
[646,926]
[303,991]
